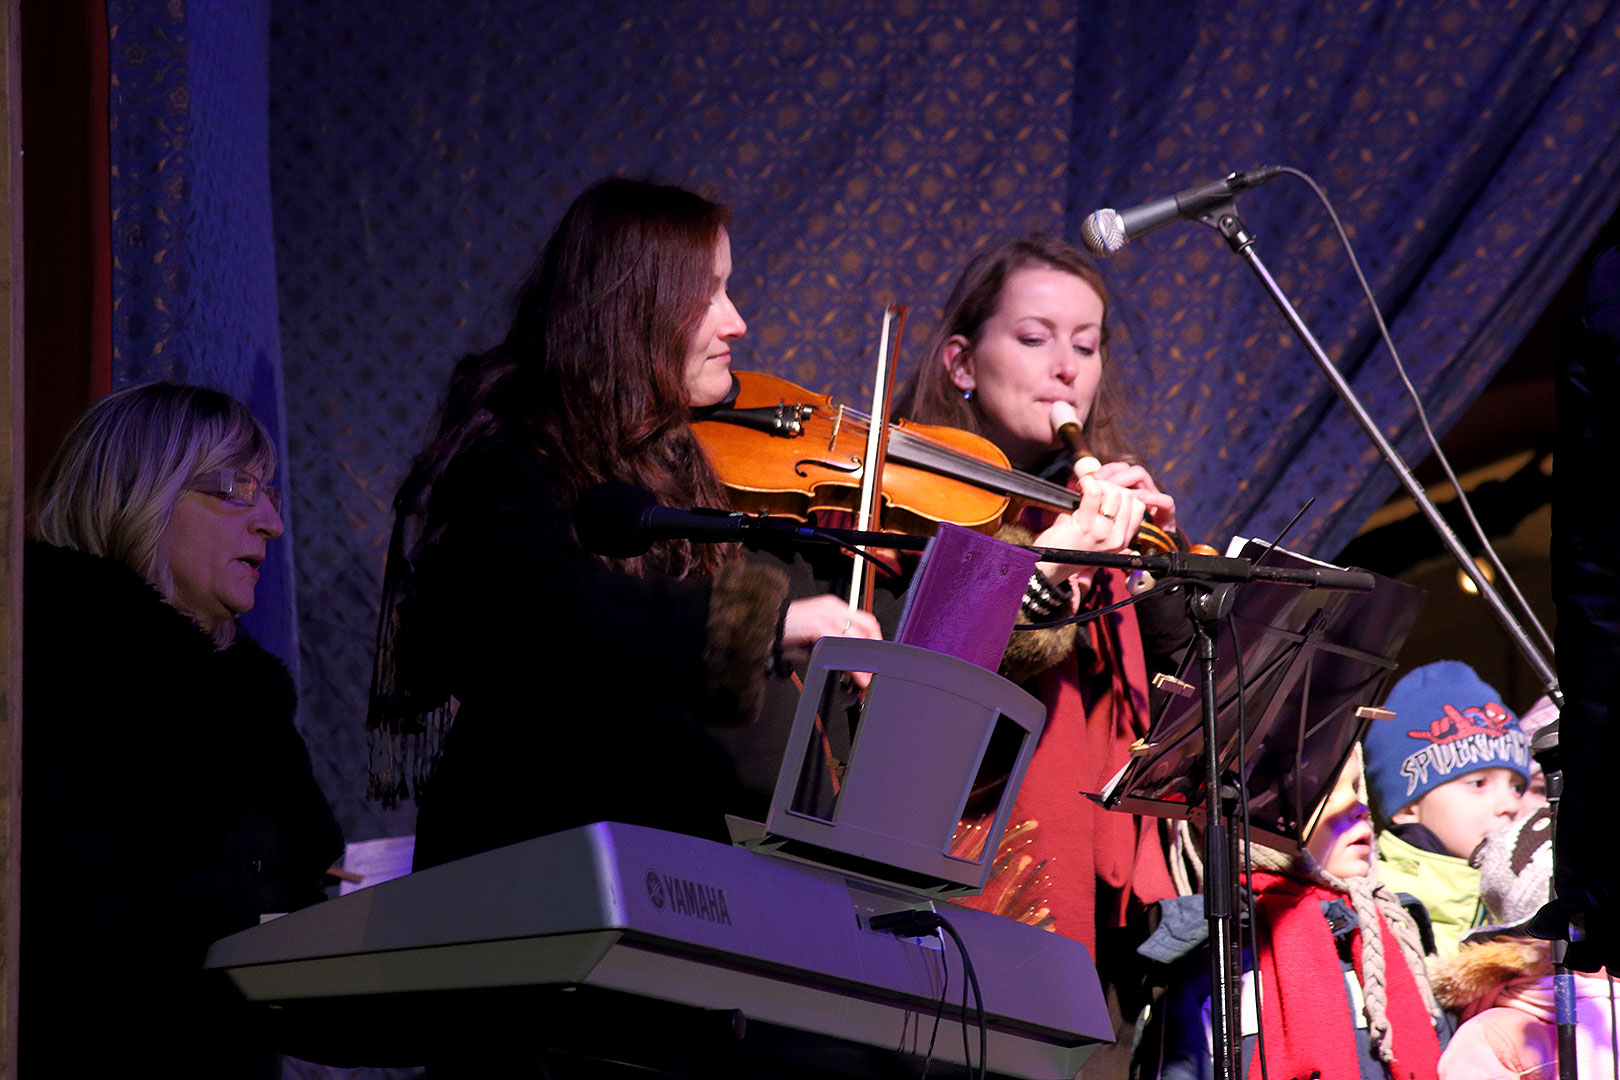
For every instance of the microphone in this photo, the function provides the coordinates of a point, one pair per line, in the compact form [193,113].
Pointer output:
[1106,231]
[622,521]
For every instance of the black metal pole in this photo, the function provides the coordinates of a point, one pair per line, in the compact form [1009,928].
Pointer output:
[1207,607]
[1226,221]
[1545,747]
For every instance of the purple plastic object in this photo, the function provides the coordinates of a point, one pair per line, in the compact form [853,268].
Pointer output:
[964,597]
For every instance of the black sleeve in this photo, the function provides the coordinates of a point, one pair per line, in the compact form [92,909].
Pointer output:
[510,606]
[1166,630]
[584,694]
[1586,590]
[513,595]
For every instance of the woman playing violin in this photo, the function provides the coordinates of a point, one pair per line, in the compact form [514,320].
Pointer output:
[581,687]
[1026,328]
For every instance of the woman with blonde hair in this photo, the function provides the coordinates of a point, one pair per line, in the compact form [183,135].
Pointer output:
[168,798]
[120,488]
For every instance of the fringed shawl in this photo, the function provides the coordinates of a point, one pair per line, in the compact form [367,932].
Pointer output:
[411,708]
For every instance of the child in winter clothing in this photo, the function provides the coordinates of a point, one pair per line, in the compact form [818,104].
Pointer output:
[1449,769]
[1323,920]
[1500,981]
[1532,720]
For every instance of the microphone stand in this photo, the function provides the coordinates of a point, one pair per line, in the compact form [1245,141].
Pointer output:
[1213,569]
[1224,219]
[1545,747]
[1211,580]
[1207,606]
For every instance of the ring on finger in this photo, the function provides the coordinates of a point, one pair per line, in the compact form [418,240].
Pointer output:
[847,624]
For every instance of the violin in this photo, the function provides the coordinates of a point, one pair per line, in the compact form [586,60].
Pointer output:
[785,451]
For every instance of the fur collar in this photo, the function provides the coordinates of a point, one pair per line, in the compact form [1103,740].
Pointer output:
[1479,969]
[89,617]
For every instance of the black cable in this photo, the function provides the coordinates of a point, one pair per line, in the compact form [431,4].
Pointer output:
[1510,586]
[854,549]
[1097,613]
[939,1009]
[967,1056]
[1248,858]
[978,1003]
[915,922]
[1165,585]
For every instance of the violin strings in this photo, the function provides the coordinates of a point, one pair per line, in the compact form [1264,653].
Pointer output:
[1006,481]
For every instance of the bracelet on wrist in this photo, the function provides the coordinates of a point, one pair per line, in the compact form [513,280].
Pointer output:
[1045,598]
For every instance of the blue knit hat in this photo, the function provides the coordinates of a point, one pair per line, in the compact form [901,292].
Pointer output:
[1448,723]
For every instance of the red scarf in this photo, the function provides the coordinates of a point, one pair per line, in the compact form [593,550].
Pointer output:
[1066,863]
[1305,1030]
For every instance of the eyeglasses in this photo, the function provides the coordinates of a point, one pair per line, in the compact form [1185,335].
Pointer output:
[236,486]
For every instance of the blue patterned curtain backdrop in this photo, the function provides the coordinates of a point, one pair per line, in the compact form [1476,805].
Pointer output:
[419,152]
[194,273]
[423,152]
[1472,150]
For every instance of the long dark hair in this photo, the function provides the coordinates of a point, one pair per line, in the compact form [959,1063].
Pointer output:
[591,373]
[931,398]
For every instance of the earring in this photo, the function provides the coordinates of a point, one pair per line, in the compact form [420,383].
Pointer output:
[967,395]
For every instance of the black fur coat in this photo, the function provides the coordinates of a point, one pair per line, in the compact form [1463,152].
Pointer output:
[584,694]
[167,801]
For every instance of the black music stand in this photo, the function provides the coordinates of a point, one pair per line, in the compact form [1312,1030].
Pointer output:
[1313,664]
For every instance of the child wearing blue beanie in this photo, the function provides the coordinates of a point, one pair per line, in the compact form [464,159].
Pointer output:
[1447,771]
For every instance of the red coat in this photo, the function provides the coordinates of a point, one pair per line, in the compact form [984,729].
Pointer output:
[1065,863]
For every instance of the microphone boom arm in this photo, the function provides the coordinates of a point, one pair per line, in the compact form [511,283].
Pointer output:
[1179,564]
[1225,220]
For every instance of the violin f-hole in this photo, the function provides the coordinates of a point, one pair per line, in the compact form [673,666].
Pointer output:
[851,469]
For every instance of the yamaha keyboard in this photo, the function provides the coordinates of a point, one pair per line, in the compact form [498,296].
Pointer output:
[616,943]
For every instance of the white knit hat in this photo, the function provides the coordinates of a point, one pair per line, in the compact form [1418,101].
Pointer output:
[1515,873]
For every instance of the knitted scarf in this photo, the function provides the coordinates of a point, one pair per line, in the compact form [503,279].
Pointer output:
[1304,1028]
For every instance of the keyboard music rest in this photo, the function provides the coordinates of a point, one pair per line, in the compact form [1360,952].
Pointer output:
[637,914]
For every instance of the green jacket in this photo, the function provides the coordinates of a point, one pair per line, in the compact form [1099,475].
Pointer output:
[1446,885]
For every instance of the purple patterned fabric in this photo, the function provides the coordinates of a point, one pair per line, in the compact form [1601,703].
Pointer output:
[419,153]
[425,153]
[194,286]
[1473,152]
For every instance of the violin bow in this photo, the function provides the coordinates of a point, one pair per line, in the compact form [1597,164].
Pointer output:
[877,449]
